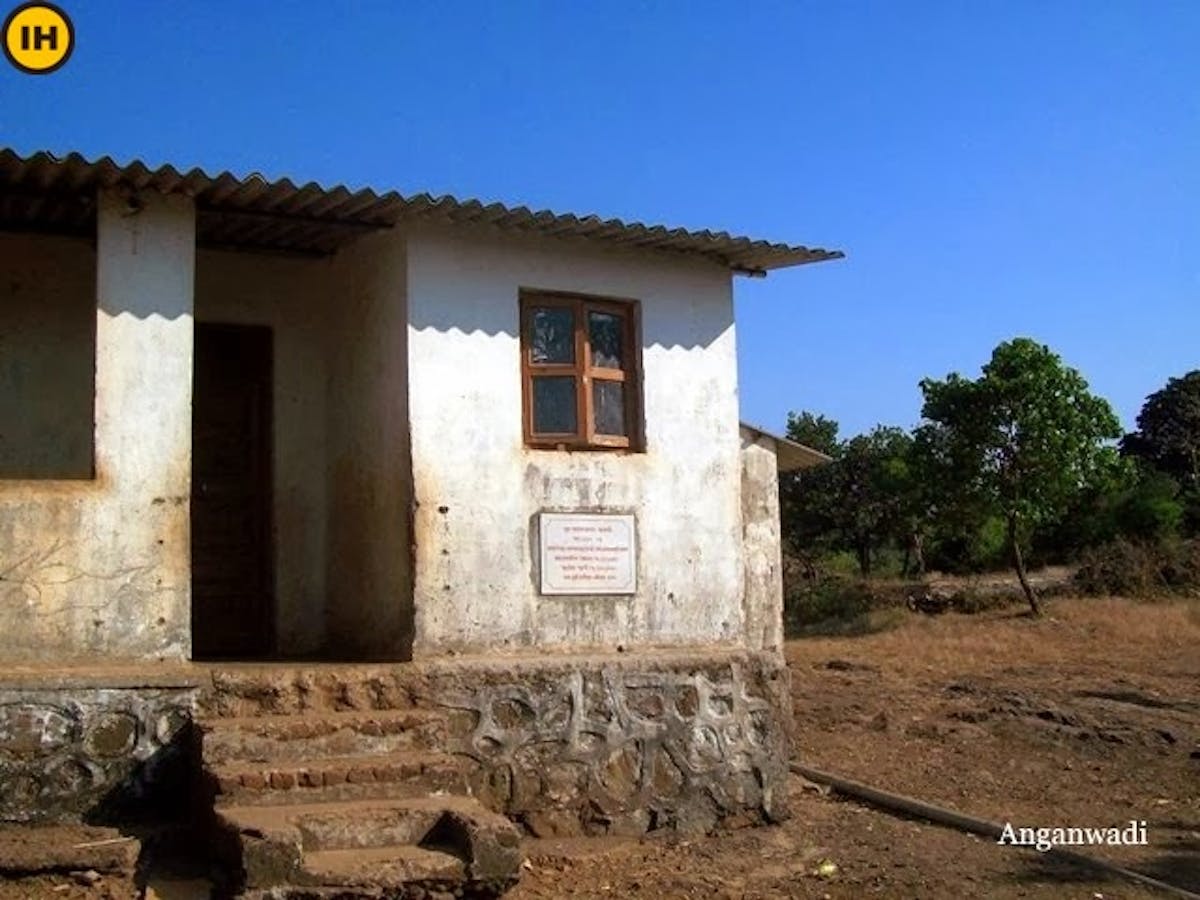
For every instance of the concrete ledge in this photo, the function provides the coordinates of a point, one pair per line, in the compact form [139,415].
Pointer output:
[82,674]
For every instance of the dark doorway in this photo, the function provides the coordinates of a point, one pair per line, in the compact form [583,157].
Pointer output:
[232,574]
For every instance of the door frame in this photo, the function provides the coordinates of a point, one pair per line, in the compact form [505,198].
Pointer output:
[264,335]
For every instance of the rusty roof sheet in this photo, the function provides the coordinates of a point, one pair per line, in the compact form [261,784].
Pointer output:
[42,192]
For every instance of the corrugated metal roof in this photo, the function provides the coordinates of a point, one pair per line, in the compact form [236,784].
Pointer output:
[42,192]
[790,455]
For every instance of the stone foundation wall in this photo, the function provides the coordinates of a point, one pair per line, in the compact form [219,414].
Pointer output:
[627,745]
[619,743]
[71,752]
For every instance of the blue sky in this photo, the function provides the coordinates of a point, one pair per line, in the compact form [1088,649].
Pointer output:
[992,169]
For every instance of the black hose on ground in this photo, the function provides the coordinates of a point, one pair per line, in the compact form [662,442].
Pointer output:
[940,815]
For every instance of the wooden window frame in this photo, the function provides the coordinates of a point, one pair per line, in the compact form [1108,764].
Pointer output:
[584,373]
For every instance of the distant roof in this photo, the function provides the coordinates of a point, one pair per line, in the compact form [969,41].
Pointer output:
[789,455]
[42,192]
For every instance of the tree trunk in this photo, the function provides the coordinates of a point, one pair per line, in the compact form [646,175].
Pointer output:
[916,547]
[904,565]
[1019,564]
[864,559]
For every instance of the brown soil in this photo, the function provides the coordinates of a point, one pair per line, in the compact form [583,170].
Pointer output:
[70,862]
[1089,716]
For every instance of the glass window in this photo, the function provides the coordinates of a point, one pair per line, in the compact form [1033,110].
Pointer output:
[579,398]
[606,333]
[608,406]
[554,399]
[552,335]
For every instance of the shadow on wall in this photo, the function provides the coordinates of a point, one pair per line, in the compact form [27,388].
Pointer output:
[100,755]
[47,357]
[468,286]
[48,313]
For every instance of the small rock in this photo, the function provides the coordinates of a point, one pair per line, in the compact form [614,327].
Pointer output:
[87,878]
[826,868]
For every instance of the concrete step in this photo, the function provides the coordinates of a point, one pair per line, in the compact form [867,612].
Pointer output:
[335,778]
[295,737]
[383,867]
[438,842]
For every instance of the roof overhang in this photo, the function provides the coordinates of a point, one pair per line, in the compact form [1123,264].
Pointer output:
[42,192]
[790,456]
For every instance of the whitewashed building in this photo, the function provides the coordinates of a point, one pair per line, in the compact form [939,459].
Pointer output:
[249,420]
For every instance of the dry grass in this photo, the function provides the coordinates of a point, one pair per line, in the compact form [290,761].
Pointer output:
[1085,630]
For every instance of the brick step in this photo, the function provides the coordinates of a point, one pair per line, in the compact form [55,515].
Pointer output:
[294,737]
[437,842]
[392,775]
[285,689]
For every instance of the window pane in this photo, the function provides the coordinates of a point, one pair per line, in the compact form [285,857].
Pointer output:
[552,338]
[608,403]
[606,332]
[554,405]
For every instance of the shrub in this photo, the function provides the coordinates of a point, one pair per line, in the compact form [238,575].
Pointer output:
[1149,512]
[1140,569]
[834,598]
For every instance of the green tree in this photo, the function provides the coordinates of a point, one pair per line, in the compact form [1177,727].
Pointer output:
[1168,430]
[808,498]
[814,430]
[1021,442]
[1167,440]
[857,501]
[872,478]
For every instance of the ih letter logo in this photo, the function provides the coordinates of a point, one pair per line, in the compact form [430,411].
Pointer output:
[38,38]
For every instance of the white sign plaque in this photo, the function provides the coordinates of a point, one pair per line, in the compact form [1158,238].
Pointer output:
[588,553]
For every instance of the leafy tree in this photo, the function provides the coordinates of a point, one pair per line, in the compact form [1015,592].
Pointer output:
[1168,440]
[808,498]
[1021,442]
[872,477]
[858,501]
[815,431]
[1168,432]
[1150,510]
[1093,516]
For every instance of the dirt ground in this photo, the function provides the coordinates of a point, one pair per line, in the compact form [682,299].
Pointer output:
[93,863]
[1089,716]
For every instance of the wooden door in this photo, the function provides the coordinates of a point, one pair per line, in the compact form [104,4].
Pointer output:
[232,573]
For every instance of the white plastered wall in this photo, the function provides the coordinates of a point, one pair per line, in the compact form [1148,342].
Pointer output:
[762,600]
[370,613]
[478,488]
[100,566]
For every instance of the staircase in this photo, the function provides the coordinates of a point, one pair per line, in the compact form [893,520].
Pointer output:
[346,800]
